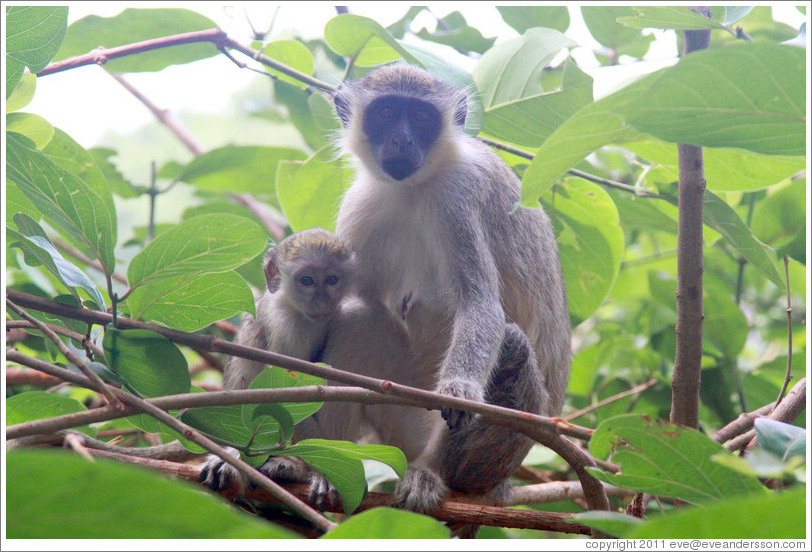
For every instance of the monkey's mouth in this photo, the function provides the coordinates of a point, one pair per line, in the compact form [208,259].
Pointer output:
[319,317]
[400,168]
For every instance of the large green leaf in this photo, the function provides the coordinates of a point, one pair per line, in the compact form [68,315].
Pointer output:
[110,500]
[737,518]
[452,30]
[669,17]
[591,127]
[667,460]
[151,365]
[291,53]
[239,169]
[64,198]
[721,217]
[191,302]
[779,220]
[205,244]
[33,35]
[33,126]
[275,378]
[310,194]
[340,462]
[138,25]
[22,94]
[38,405]
[726,169]
[364,40]
[710,98]
[512,70]
[783,440]
[522,18]
[590,243]
[388,523]
[38,249]
[603,25]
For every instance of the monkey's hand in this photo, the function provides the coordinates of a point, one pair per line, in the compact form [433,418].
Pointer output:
[219,475]
[464,390]
[421,491]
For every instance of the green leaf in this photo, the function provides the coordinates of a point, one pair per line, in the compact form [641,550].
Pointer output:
[737,518]
[292,53]
[16,202]
[726,169]
[310,195]
[38,249]
[340,462]
[151,365]
[33,126]
[352,35]
[710,99]
[388,523]
[733,14]
[33,35]
[455,32]
[39,405]
[779,220]
[721,217]
[667,460]
[522,18]
[280,417]
[590,243]
[225,424]
[669,17]
[68,154]
[138,25]
[276,378]
[602,22]
[591,127]
[512,70]
[238,169]
[110,500]
[66,201]
[191,302]
[782,439]
[22,94]
[205,244]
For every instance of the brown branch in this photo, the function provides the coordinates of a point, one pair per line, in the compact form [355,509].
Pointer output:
[633,391]
[741,424]
[688,359]
[17,376]
[789,409]
[141,405]
[450,511]
[165,116]
[79,338]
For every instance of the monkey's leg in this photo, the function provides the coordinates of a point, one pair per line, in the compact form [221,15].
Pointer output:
[479,458]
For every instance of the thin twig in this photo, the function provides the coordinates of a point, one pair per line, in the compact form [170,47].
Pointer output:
[79,338]
[98,384]
[633,391]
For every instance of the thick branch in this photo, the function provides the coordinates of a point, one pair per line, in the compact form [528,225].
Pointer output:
[688,359]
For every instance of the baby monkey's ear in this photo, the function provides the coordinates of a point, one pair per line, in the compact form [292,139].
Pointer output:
[272,277]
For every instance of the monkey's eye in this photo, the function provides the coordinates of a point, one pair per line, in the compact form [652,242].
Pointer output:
[386,112]
[306,281]
[331,280]
[421,115]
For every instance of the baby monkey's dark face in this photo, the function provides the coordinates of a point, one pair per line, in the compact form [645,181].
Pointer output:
[401,131]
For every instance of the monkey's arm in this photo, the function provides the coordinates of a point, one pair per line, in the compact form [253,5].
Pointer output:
[479,321]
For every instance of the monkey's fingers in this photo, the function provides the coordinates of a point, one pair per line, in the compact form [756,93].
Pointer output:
[456,418]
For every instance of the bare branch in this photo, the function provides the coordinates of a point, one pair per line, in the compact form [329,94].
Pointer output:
[788,375]
[789,409]
[633,391]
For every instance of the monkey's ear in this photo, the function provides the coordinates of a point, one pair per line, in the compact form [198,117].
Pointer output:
[342,107]
[272,277]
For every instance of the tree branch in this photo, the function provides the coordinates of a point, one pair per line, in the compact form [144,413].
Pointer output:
[688,359]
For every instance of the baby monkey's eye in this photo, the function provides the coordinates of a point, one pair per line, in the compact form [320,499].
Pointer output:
[421,115]
[306,281]
[331,280]
[386,112]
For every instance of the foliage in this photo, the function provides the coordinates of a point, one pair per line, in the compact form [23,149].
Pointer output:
[604,169]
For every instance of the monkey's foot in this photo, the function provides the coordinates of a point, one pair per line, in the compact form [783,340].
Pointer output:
[421,491]
[219,475]
[290,469]
[464,390]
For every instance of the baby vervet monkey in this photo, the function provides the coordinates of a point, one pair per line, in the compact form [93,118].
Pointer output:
[308,274]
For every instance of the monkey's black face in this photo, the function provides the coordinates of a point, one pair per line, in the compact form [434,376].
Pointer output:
[401,131]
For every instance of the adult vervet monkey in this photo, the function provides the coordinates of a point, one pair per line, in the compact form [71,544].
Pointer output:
[461,291]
